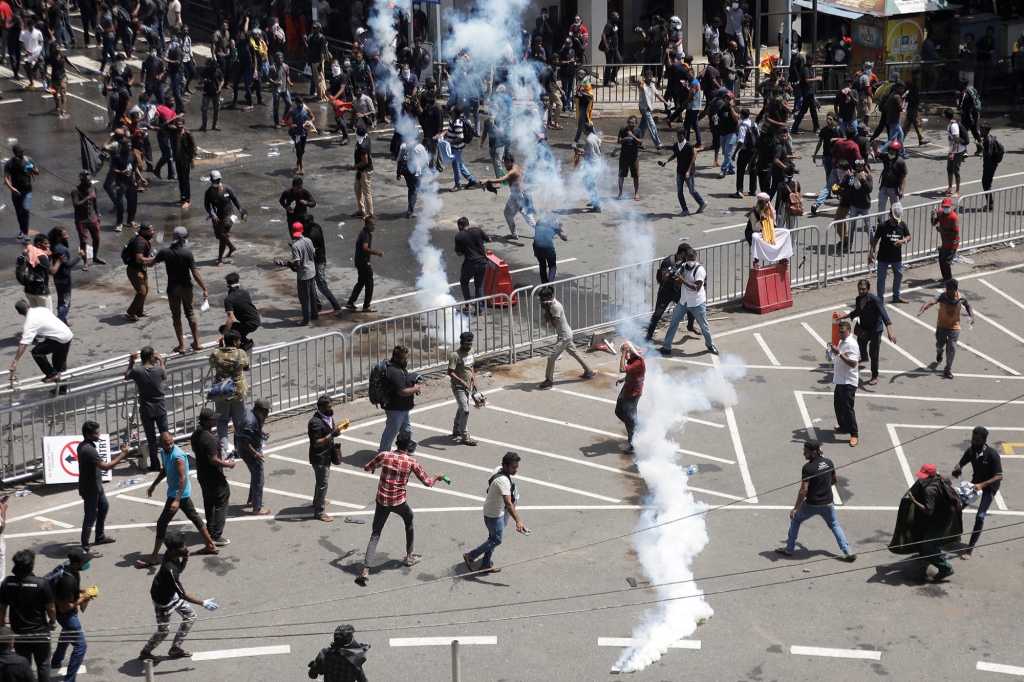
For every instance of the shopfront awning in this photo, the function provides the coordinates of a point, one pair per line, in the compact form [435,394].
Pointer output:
[854,9]
[828,8]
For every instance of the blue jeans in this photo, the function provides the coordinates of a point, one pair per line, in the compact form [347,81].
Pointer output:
[96,508]
[495,528]
[591,171]
[688,184]
[397,422]
[476,272]
[843,125]
[728,146]
[459,169]
[856,211]
[979,522]
[22,209]
[287,97]
[897,278]
[826,512]
[70,634]
[895,133]
[342,126]
[647,123]
[833,178]
[700,314]
[255,478]
[321,284]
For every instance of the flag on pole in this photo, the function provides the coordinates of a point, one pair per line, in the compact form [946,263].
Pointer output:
[768,63]
[92,155]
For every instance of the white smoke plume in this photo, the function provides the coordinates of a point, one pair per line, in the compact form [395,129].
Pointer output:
[666,552]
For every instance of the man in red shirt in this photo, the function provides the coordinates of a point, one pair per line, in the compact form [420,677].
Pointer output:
[165,138]
[394,477]
[947,223]
[634,368]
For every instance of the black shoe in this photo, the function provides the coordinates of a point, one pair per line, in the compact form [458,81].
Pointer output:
[667,352]
[712,349]
[942,574]
[938,358]
[814,211]
[690,328]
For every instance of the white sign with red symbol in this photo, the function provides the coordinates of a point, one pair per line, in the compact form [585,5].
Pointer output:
[60,458]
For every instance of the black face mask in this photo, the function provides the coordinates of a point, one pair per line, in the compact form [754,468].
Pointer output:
[402,362]
[327,411]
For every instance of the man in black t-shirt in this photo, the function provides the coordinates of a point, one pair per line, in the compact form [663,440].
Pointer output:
[296,202]
[987,477]
[149,377]
[169,597]
[815,499]
[212,79]
[18,172]
[469,243]
[26,602]
[808,84]
[629,156]
[91,466]
[889,239]
[401,392]
[669,290]
[685,155]
[210,465]
[364,249]
[68,596]
[181,268]
[15,667]
[242,314]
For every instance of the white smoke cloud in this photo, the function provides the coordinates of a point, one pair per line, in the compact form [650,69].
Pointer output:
[673,532]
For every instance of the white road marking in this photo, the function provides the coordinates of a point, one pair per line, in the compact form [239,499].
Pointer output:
[146,500]
[64,671]
[488,470]
[816,335]
[734,431]
[621,642]
[830,308]
[581,427]
[298,496]
[455,284]
[11,101]
[998,326]
[917,363]
[87,101]
[836,653]
[1000,668]
[59,524]
[376,477]
[440,641]
[900,455]
[767,351]
[612,402]
[811,368]
[813,434]
[1001,293]
[241,653]
[960,343]
[927,398]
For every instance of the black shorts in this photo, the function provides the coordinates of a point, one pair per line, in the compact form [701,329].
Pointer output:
[631,168]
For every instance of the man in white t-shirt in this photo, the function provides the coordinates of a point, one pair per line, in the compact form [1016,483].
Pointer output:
[56,340]
[174,14]
[499,505]
[694,298]
[32,44]
[845,377]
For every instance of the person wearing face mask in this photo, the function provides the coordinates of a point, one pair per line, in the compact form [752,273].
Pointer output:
[316,52]
[420,60]
[169,597]
[217,202]
[733,22]
[276,38]
[893,182]
[889,239]
[947,223]
[153,73]
[181,270]
[691,279]
[68,597]
[610,46]
[299,121]
[323,451]
[402,388]
[212,80]
[675,41]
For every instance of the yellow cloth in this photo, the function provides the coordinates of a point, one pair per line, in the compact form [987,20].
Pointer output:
[768,228]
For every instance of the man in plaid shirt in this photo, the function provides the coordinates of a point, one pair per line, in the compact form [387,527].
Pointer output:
[394,477]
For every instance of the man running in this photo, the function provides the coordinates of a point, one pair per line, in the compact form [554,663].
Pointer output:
[518,199]
[395,468]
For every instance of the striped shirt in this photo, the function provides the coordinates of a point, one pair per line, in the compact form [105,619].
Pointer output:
[455,132]
[395,468]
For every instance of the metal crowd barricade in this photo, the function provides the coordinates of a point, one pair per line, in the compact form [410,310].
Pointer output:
[291,375]
[431,336]
[838,263]
[979,227]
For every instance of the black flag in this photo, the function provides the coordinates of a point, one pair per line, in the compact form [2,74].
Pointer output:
[92,155]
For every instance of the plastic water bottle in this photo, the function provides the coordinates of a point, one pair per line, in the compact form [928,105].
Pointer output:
[265,436]
[444,477]
[690,470]
[22,493]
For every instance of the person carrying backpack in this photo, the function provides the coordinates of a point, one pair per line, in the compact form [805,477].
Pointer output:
[968,101]
[957,133]
[68,596]
[991,156]
[789,205]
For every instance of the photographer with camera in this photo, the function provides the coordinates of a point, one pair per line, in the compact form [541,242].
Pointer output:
[343,660]
[669,289]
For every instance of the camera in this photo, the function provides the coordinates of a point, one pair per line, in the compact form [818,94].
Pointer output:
[638,29]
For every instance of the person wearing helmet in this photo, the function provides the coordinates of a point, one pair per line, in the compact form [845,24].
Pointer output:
[947,223]
[991,155]
[675,41]
[893,181]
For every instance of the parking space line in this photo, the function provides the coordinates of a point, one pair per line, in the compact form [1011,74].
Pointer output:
[817,337]
[440,641]
[836,653]
[767,351]
[737,443]
[1005,295]
[241,653]
[298,496]
[612,402]
[812,434]
[533,451]
[1000,668]
[376,477]
[87,101]
[64,671]
[1012,335]
[961,344]
[922,372]
[900,455]
[144,500]
[488,470]
[622,642]
[589,429]
[59,524]
[899,349]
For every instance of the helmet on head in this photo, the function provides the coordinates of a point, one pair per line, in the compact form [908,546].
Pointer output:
[896,146]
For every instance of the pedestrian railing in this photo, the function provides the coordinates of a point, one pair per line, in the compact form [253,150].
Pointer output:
[431,336]
[1003,223]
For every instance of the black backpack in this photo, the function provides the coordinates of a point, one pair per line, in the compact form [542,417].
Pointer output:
[25,273]
[954,503]
[468,131]
[752,137]
[127,257]
[379,385]
[512,492]
[997,150]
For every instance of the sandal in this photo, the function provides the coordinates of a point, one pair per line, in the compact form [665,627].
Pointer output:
[371,309]
[105,541]
[873,381]
[197,346]
[362,580]
[206,551]
[323,517]
[412,560]
[145,563]
[179,653]
[179,351]
[783,551]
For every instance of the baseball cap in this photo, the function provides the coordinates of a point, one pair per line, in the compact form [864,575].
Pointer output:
[360,31]
[145,225]
[206,414]
[180,233]
[215,177]
[927,470]
[78,555]
[296,229]
[262,404]
[947,203]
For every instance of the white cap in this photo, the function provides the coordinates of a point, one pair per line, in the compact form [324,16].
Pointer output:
[676,20]
[215,176]
[360,31]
